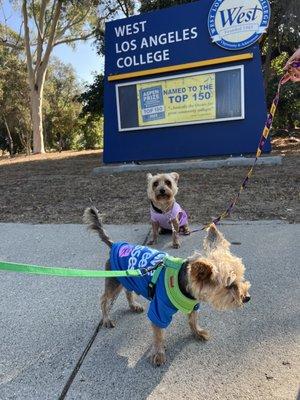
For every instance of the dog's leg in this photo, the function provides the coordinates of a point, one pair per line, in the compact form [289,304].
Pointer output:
[199,333]
[111,292]
[133,305]
[185,229]
[158,354]
[155,229]
[175,231]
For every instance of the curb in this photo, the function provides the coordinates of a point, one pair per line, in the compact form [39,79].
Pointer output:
[188,165]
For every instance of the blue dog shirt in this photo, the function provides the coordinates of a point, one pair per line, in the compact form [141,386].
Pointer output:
[128,256]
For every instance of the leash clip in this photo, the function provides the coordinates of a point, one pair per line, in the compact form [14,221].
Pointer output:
[145,270]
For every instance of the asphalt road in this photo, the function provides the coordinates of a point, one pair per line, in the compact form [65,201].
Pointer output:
[51,346]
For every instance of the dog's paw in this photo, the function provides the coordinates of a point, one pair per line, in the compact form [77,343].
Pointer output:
[107,323]
[176,245]
[136,308]
[202,335]
[158,358]
[151,242]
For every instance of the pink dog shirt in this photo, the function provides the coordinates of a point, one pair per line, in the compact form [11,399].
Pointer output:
[164,218]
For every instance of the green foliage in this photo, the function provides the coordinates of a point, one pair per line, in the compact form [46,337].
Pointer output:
[61,110]
[110,10]
[66,125]
[288,112]
[151,5]
[91,136]
[280,42]
[14,99]
[92,114]
[92,98]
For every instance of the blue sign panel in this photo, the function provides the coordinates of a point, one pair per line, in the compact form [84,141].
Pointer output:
[166,115]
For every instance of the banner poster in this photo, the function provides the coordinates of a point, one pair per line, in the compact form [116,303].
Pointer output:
[178,100]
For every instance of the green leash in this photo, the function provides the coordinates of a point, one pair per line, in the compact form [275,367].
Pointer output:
[69,272]
[172,265]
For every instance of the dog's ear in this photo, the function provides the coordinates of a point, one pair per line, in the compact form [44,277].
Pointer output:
[214,239]
[201,270]
[149,177]
[175,176]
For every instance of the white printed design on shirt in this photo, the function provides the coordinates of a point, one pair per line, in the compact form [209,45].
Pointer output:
[135,263]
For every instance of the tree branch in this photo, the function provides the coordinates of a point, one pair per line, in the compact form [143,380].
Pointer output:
[35,20]
[51,36]
[73,23]
[4,42]
[40,41]
[27,43]
[75,39]
[50,19]
[124,11]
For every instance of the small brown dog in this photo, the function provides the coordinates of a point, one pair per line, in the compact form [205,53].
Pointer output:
[166,214]
[216,277]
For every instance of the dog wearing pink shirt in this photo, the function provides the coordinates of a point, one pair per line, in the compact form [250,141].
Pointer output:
[166,214]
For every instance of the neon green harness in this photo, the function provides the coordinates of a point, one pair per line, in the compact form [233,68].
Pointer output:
[176,297]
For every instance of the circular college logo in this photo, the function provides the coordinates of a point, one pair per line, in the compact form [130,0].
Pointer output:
[236,24]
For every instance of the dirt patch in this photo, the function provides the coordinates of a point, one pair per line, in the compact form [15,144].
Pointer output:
[56,187]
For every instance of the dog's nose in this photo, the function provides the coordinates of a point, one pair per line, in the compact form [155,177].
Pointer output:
[162,191]
[246,299]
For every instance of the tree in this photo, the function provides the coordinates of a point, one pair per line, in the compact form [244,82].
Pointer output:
[92,113]
[92,97]
[14,99]
[46,24]
[283,34]
[61,108]
[152,5]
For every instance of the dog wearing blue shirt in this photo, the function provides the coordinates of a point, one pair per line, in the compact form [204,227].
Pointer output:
[215,276]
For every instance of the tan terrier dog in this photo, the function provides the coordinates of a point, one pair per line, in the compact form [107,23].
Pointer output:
[216,276]
[166,214]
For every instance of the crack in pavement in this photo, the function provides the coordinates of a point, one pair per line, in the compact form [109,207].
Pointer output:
[86,350]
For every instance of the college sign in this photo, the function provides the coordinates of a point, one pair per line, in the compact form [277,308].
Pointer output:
[237,24]
[172,92]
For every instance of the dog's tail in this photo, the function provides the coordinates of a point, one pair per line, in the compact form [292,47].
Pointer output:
[92,218]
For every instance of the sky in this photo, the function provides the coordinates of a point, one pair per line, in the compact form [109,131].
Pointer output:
[84,58]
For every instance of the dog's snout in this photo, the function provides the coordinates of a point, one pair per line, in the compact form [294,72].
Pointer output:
[162,191]
[246,299]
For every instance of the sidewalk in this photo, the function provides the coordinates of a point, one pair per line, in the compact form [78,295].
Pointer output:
[48,324]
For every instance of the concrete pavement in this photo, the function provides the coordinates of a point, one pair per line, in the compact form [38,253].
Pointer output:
[50,324]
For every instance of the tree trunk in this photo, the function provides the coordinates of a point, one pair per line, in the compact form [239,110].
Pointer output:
[9,138]
[268,58]
[36,95]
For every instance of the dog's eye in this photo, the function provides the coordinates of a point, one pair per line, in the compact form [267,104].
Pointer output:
[155,184]
[232,286]
[168,183]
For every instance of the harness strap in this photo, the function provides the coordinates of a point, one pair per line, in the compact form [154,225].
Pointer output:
[152,283]
[175,295]
[155,276]
[177,298]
